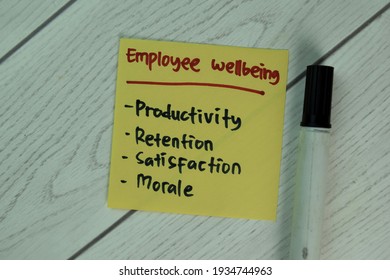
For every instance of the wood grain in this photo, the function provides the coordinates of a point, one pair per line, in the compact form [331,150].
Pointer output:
[19,18]
[357,224]
[56,114]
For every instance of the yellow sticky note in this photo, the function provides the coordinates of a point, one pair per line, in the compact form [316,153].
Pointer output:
[198,129]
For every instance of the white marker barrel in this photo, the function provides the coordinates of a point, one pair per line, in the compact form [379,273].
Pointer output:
[310,190]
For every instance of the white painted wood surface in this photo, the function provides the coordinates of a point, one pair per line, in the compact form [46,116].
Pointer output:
[56,112]
[20,17]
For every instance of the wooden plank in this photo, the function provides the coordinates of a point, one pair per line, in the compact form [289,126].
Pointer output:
[19,18]
[357,222]
[56,120]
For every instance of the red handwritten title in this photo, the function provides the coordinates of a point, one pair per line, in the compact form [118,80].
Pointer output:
[237,67]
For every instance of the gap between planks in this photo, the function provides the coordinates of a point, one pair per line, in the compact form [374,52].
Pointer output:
[36,31]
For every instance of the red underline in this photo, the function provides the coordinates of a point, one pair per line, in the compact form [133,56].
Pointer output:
[194,84]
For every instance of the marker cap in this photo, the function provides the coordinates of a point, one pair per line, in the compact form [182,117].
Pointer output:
[318,96]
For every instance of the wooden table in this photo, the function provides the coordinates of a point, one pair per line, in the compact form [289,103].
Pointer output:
[57,88]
